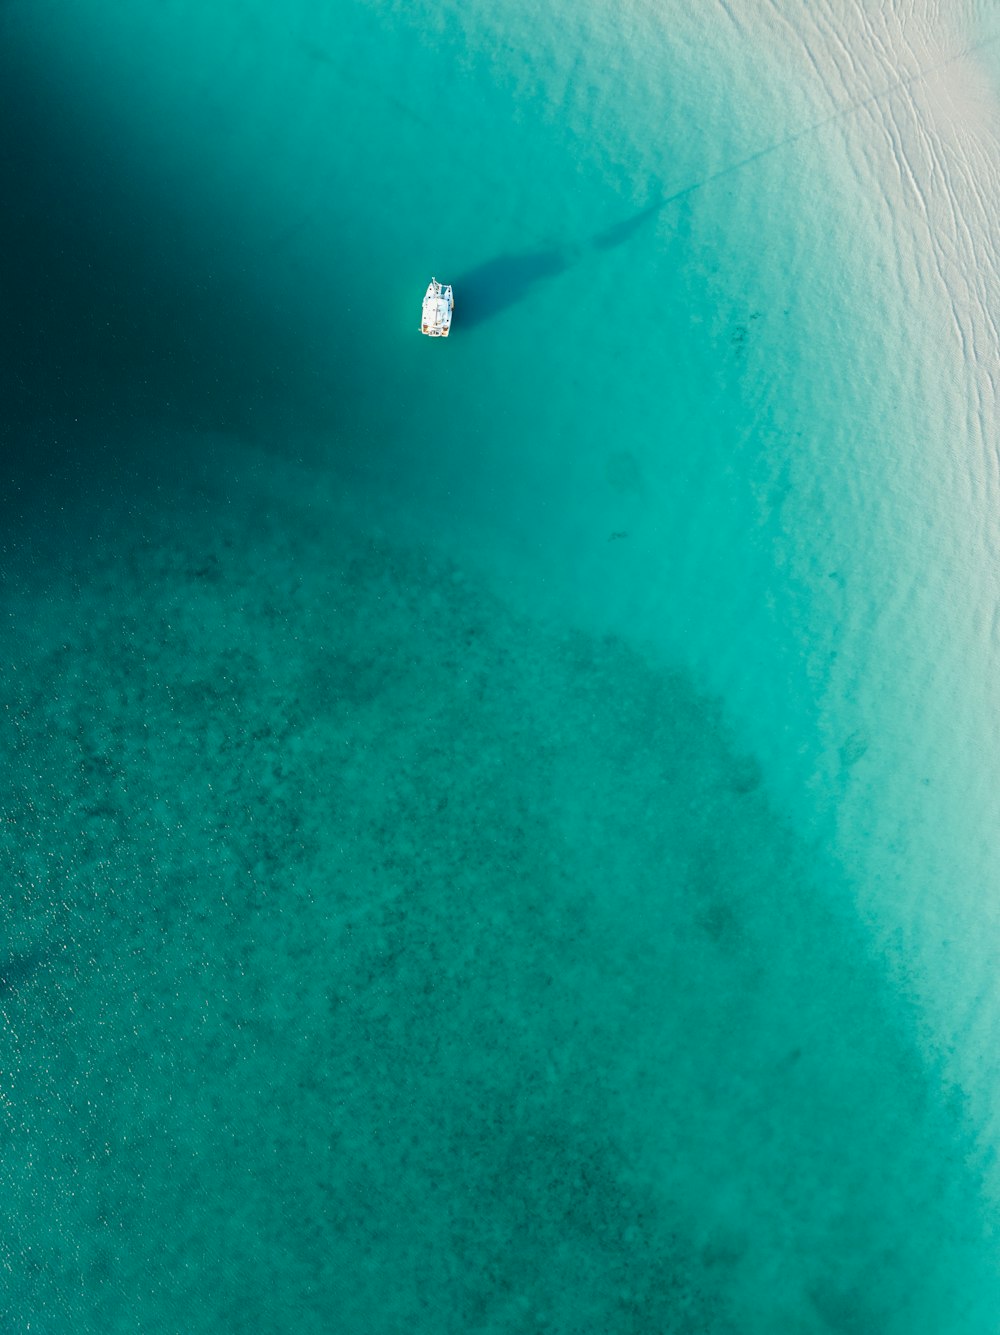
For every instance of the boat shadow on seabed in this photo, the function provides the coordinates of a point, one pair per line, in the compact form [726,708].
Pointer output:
[503,281]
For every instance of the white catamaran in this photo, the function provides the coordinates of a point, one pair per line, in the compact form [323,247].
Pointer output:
[438,306]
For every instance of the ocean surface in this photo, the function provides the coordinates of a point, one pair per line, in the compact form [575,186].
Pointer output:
[499,836]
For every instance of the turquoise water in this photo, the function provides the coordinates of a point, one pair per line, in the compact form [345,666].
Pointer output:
[499,835]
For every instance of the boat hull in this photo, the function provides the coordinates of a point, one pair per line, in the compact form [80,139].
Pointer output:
[438,307]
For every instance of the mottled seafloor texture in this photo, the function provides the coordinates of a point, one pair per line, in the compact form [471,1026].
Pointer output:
[385,961]
[498,836]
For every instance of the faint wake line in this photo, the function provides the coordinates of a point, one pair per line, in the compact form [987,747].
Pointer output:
[848,110]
